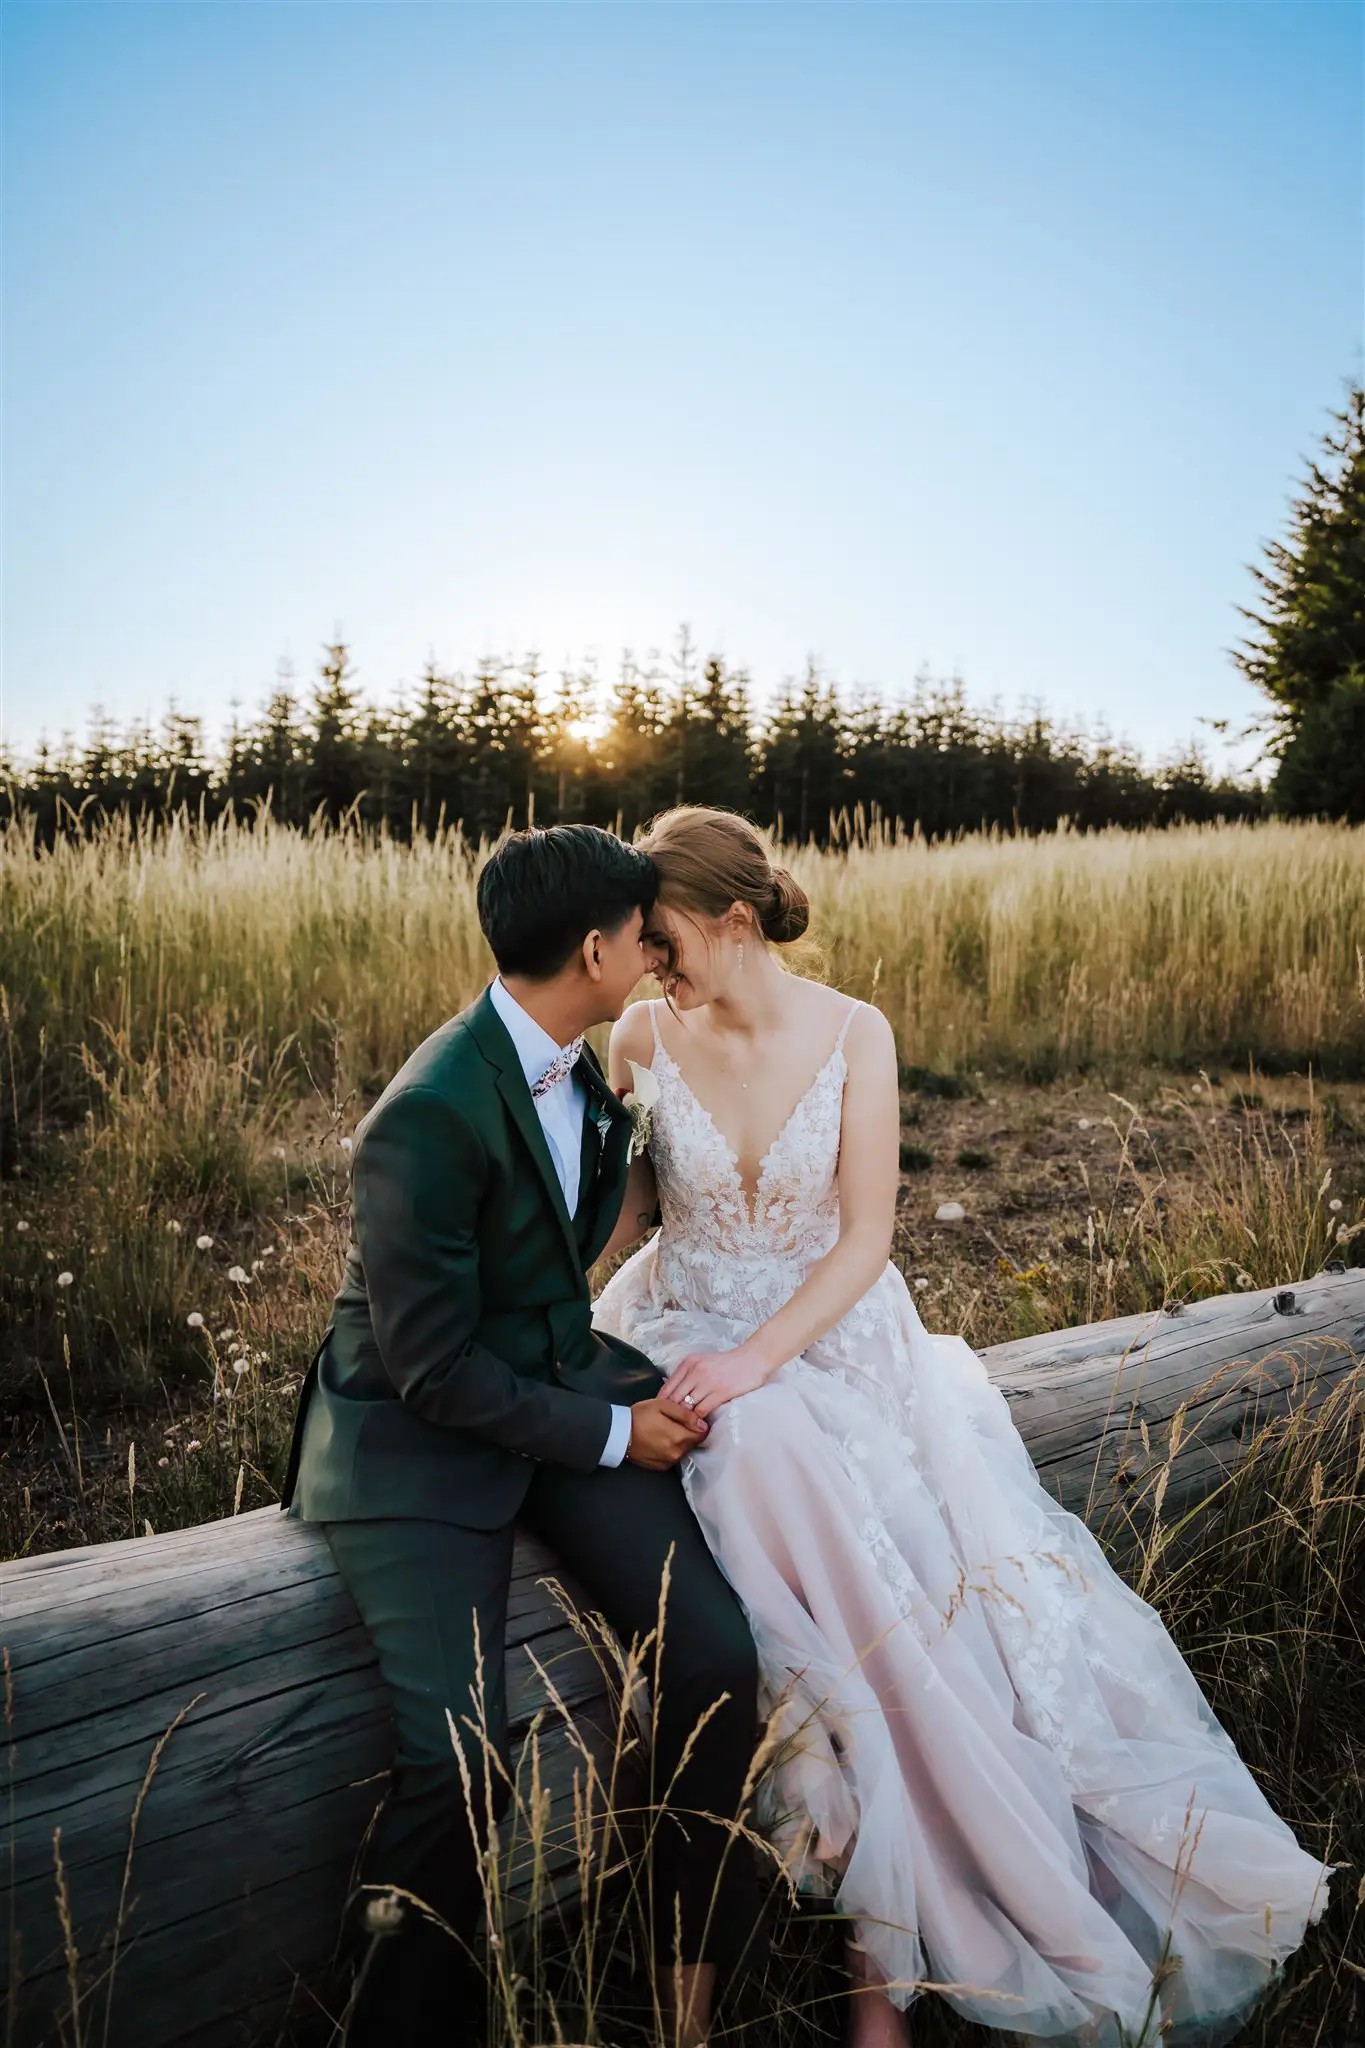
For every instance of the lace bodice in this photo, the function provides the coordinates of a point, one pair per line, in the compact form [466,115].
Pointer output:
[717,1250]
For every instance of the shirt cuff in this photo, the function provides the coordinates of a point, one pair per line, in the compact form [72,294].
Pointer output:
[618,1436]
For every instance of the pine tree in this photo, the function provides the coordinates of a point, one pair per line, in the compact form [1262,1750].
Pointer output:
[277,752]
[1310,657]
[569,761]
[437,752]
[185,770]
[506,727]
[335,771]
[679,730]
[720,768]
[633,757]
[800,774]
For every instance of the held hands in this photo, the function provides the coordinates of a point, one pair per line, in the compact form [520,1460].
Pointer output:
[714,1377]
[661,1431]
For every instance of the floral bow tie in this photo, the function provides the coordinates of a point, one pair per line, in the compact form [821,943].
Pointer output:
[559,1069]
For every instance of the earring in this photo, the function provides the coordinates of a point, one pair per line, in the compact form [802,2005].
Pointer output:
[740,962]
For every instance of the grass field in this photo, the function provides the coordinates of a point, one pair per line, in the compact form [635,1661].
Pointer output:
[1137,1060]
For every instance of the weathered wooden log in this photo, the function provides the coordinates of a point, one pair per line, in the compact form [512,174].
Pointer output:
[239,1639]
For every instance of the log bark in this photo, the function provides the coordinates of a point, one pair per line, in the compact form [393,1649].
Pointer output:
[238,1639]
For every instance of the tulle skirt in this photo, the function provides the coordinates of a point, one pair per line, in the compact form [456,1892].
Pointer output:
[992,1756]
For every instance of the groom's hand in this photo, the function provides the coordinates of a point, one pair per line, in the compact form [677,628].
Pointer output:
[660,1432]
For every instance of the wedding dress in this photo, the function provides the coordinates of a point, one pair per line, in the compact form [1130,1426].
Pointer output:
[996,1760]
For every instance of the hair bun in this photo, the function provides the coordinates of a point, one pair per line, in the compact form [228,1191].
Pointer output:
[788,913]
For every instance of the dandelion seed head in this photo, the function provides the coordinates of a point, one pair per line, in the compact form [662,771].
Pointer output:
[22,1226]
[241,1365]
[1082,1123]
[346,1143]
[195,1320]
[65,1279]
[384,1916]
[240,1275]
[1335,1203]
[204,1243]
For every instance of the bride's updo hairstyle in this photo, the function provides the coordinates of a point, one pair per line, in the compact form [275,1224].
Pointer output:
[706,860]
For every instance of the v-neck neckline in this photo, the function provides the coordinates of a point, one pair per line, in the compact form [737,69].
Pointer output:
[750,1204]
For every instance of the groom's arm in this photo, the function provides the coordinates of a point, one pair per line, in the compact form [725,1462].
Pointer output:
[418,1178]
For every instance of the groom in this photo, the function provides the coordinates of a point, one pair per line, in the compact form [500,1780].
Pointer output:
[460,1391]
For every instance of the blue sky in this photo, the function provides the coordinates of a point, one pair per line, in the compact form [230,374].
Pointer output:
[978,335]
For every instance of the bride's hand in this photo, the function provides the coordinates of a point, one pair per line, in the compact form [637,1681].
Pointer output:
[714,1377]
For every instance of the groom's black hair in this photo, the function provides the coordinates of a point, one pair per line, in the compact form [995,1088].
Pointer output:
[542,891]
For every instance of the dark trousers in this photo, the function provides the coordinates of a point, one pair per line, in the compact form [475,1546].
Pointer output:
[418,1586]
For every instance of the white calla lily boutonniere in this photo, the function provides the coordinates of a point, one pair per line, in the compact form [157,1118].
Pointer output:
[640,1099]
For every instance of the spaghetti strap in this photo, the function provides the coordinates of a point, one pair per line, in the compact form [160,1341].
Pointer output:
[852,1011]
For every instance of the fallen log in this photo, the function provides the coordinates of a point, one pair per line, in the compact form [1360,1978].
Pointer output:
[238,1639]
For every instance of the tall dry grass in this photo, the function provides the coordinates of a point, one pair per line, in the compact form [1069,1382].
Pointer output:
[330,953]
[193,1020]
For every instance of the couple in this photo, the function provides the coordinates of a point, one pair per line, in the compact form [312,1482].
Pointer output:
[989,1754]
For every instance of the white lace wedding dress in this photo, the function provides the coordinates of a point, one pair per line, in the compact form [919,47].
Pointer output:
[998,1762]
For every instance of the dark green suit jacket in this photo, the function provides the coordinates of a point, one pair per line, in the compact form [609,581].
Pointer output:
[460,1349]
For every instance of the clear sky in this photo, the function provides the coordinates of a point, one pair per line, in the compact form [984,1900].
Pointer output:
[978,335]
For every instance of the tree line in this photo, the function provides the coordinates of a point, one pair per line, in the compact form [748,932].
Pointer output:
[493,748]
[500,746]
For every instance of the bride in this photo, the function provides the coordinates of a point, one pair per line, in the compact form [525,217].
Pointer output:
[996,1760]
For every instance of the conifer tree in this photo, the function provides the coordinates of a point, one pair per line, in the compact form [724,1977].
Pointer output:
[335,768]
[277,752]
[1310,654]
[720,768]
[437,752]
[799,777]
[569,760]
[634,765]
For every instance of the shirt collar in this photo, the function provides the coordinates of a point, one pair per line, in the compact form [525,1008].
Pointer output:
[535,1047]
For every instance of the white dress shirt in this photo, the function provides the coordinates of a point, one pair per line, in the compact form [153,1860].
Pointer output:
[561,1111]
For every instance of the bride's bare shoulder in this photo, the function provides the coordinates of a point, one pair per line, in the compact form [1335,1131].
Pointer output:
[823,1005]
[868,1042]
[632,1038]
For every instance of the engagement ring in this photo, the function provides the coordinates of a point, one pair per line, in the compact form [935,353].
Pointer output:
[689,1401]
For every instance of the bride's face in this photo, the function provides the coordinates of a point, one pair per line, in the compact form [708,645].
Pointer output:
[686,954]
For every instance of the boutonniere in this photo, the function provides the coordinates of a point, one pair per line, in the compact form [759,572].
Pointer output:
[639,1099]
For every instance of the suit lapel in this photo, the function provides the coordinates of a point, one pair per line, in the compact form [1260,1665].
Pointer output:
[497,1048]
[608,1125]
[589,1159]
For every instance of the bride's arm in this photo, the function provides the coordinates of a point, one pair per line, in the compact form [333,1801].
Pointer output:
[630,1036]
[639,1207]
[869,1174]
